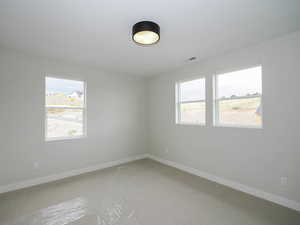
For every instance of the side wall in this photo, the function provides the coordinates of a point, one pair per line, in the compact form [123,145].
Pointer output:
[257,158]
[116,119]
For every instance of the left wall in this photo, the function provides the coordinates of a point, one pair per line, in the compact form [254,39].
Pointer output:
[115,109]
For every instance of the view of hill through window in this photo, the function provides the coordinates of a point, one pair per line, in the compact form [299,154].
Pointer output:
[191,106]
[65,102]
[238,98]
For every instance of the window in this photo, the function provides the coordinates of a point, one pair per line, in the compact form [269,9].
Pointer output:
[190,98]
[65,109]
[238,98]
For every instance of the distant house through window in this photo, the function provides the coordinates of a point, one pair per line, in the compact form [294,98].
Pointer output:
[190,102]
[238,98]
[65,108]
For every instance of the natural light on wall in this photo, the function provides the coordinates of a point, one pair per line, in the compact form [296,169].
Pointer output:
[190,105]
[238,98]
[65,108]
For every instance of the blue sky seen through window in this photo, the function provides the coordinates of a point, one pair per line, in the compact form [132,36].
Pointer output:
[63,86]
[193,90]
[240,83]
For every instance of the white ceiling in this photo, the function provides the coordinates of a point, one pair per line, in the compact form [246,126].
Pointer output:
[98,32]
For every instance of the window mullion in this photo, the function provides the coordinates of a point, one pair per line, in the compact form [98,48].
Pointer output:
[239,97]
[194,101]
[215,101]
[65,107]
[178,103]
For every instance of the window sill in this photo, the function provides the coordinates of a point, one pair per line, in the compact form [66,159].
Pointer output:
[65,138]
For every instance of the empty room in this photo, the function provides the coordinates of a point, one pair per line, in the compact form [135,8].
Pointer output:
[133,112]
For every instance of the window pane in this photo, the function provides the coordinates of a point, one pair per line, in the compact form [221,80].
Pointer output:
[240,83]
[243,112]
[60,92]
[192,112]
[64,122]
[192,90]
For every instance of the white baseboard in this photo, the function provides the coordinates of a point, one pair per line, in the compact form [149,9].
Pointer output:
[232,184]
[55,177]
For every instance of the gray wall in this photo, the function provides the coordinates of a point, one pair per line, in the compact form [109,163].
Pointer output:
[116,119]
[123,122]
[254,157]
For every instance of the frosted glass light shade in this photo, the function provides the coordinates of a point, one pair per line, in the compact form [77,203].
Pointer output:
[146,33]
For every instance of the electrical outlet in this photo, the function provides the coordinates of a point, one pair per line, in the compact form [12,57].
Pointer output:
[284,180]
[166,150]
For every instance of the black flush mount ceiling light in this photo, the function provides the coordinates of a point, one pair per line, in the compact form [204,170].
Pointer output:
[145,33]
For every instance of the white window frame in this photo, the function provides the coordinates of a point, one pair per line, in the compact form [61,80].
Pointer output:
[216,117]
[178,102]
[83,108]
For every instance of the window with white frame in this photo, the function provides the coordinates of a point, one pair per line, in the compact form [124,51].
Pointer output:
[190,102]
[238,98]
[65,108]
